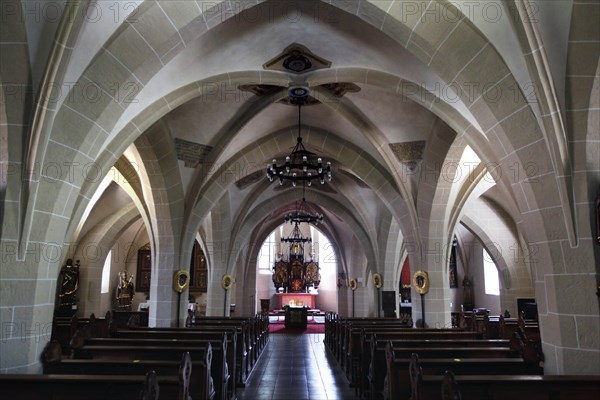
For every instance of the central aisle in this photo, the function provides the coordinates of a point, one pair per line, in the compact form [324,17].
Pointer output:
[296,367]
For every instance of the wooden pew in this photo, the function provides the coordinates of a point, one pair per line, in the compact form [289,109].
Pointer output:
[63,329]
[378,369]
[77,387]
[398,379]
[347,337]
[98,387]
[248,342]
[254,331]
[122,319]
[330,323]
[383,334]
[344,326]
[236,350]
[526,339]
[248,329]
[363,357]
[252,335]
[367,370]
[493,327]
[373,362]
[344,338]
[201,386]
[198,339]
[532,387]
[163,351]
[508,326]
[492,383]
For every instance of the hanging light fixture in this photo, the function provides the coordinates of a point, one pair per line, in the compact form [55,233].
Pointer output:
[296,242]
[300,166]
[301,214]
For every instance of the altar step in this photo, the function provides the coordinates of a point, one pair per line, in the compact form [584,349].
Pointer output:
[315,316]
[280,319]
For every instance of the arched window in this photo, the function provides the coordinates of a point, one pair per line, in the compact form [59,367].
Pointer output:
[490,272]
[105,285]
[267,255]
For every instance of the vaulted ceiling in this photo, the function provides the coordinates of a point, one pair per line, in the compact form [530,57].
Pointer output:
[210,78]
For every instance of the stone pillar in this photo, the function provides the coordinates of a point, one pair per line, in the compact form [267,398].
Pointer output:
[163,298]
[28,293]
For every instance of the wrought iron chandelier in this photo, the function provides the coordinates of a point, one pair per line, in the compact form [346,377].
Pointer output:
[296,241]
[300,165]
[302,215]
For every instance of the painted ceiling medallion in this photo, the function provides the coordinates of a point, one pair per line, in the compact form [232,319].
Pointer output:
[297,63]
[298,92]
[297,59]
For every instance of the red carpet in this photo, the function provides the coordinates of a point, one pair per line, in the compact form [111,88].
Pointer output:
[310,328]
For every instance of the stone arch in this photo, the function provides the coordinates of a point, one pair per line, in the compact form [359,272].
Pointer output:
[499,119]
[256,234]
[513,272]
[395,36]
[190,92]
[188,32]
[491,245]
[16,97]
[40,123]
[102,237]
[247,213]
[163,194]
[144,119]
[210,194]
[261,211]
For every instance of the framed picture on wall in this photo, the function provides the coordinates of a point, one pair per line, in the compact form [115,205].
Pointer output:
[144,269]
[452,278]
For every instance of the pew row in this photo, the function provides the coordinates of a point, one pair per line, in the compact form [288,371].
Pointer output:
[499,387]
[134,351]
[201,386]
[401,377]
[237,359]
[147,386]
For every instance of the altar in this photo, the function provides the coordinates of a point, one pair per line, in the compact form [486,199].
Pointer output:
[296,317]
[297,299]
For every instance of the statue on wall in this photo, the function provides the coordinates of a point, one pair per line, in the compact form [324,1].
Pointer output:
[68,284]
[125,291]
[468,300]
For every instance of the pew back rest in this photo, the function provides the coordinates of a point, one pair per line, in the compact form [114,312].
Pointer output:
[150,389]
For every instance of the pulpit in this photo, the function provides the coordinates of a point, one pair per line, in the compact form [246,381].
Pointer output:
[296,317]
[265,305]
